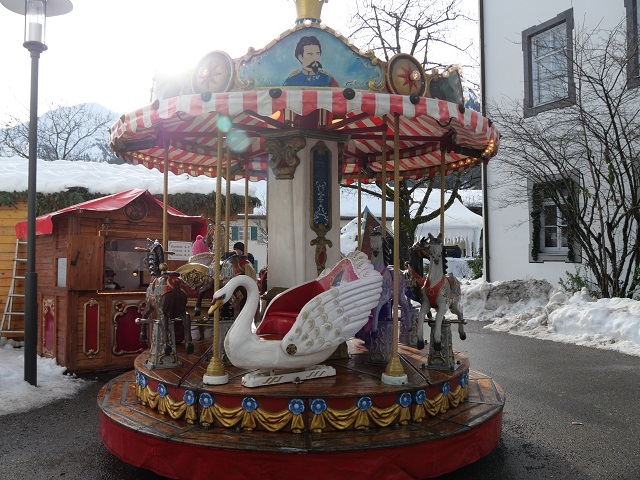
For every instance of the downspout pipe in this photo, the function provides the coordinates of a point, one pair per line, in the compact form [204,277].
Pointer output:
[485,194]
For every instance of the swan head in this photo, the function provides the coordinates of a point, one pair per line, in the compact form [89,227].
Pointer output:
[225,294]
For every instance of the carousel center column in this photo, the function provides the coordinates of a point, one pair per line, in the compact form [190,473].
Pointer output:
[304,206]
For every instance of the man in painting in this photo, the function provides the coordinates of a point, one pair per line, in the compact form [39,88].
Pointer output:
[308,52]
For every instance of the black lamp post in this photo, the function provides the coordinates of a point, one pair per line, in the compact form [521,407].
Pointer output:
[35,13]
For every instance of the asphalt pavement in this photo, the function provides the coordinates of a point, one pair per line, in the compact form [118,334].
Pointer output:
[571,413]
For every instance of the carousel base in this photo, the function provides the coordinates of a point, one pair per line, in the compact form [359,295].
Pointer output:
[349,426]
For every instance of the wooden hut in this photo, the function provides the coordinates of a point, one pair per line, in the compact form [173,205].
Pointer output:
[84,323]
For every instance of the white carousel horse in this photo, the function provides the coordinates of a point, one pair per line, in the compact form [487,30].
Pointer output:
[439,291]
[386,298]
[348,293]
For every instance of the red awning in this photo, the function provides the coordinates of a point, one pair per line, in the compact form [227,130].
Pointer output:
[188,127]
[44,223]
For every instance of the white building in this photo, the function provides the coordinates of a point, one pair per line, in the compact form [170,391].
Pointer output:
[521,42]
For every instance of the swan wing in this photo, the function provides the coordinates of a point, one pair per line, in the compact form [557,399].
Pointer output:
[334,316]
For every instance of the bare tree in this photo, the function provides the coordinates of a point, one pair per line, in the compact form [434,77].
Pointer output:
[584,159]
[79,132]
[389,27]
[422,29]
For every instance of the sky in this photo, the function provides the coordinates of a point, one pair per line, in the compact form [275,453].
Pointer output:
[540,312]
[109,52]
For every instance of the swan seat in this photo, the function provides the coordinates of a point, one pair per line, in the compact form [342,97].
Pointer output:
[283,310]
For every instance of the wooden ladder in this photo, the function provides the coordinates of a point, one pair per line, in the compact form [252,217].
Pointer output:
[6,328]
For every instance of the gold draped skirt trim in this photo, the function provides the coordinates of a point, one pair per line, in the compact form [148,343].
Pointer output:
[351,418]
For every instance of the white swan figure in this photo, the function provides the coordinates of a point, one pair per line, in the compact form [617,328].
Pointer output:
[327,320]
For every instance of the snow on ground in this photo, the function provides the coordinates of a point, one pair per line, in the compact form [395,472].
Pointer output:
[533,308]
[17,395]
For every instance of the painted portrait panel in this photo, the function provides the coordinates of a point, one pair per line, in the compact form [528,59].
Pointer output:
[311,58]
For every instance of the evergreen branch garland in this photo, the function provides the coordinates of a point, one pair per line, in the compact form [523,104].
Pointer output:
[187,203]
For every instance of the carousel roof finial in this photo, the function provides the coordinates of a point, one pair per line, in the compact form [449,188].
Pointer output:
[309,10]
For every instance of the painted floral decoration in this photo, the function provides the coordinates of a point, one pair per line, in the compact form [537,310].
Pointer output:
[364,403]
[249,404]
[189,398]
[318,406]
[162,390]
[206,400]
[296,406]
[464,379]
[445,388]
[404,399]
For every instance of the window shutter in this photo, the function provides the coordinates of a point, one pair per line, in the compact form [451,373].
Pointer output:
[234,233]
[254,233]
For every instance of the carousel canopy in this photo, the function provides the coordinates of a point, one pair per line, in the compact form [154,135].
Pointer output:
[351,97]
[188,127]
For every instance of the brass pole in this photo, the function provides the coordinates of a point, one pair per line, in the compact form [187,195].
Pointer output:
[442,175]
[383,185]
[246,211]
[227,202]
[216,367]
[394,373]
[359,244]
[165,197]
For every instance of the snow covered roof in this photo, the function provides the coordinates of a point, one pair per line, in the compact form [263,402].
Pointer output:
[100,177]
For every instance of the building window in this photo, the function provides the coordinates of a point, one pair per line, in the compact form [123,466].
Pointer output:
[548,65]
[550,207]
[554,229]
[633,42]
[237,234]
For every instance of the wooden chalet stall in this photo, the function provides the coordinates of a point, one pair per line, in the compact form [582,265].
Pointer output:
[84,323]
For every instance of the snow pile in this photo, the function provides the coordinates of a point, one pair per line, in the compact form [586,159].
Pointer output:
[533,308]
[16,395]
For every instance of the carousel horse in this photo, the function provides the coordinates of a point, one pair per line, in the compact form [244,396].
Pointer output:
[385,304]
[440,290]
[167,295]
[230,266]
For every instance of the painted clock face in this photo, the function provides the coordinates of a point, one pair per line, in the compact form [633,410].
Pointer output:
[214,73]
[136,211]
[405,76]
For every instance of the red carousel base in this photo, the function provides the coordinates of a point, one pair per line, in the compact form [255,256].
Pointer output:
[348,426]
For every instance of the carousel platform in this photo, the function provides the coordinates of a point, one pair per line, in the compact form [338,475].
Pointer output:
[350,425]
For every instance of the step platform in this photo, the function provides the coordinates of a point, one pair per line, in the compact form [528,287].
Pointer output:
[349,426]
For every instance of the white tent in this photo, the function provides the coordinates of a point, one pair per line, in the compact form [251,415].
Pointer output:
[460,224]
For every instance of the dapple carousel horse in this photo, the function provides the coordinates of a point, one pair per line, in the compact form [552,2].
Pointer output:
[167,296]
[230,266]
[385,304]
[438,290]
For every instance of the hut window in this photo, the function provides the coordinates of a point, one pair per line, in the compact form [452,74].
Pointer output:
[61,274]
[121,256]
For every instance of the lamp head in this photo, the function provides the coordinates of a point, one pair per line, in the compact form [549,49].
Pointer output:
[35,13]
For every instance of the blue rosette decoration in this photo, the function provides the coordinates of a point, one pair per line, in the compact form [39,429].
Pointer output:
[404,400]
[189,398]
[296,406]
[318,406]
[249,404]
[206,400]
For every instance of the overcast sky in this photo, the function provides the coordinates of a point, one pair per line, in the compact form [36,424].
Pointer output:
[109,52]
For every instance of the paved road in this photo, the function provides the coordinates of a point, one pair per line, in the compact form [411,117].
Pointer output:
[571,413]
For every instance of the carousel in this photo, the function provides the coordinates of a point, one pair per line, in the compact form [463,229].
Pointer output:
[290,386]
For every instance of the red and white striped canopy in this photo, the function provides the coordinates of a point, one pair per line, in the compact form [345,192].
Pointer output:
[188,126]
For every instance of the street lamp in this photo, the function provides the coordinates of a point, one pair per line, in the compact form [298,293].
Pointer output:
[35,14]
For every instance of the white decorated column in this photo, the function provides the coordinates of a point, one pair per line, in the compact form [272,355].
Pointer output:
[304,207]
